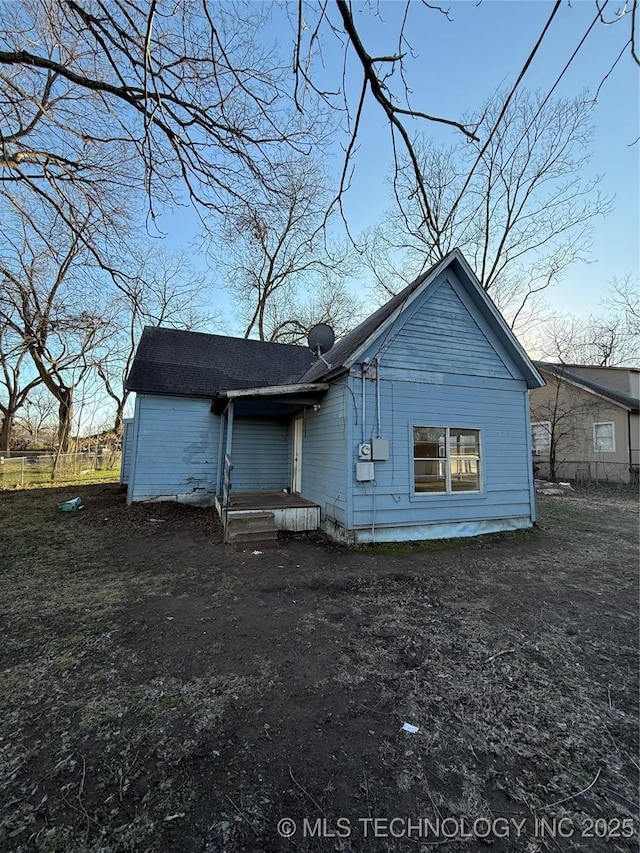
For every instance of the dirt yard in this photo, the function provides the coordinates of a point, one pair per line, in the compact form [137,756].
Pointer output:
[163,692]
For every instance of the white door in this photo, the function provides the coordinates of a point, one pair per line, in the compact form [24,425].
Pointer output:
[296,485]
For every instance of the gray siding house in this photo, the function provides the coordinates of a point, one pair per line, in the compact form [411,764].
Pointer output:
[586,423]
[414,426]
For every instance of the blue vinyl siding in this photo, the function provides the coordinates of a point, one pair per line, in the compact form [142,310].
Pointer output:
[261,455]
[440,365]
[325,453]
[500,415]
[127,449]
[444,333]
[175,448]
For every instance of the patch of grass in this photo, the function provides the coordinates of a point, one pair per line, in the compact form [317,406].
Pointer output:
[567,514]
[41,479]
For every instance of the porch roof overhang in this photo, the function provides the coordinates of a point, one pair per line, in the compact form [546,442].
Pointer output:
[269,401]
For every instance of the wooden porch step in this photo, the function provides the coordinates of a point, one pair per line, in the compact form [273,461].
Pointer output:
[250,528]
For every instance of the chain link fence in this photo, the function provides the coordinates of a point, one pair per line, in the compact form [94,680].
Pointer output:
[33,469]
[588,473]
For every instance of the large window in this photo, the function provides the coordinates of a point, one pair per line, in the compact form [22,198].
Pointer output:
[446,459]
[541,437]
[604,438]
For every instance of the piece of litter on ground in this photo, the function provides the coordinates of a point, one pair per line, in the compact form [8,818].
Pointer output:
[256,553]
[408,727]
[170,618]
[173,816]
[156,520]
[71,505]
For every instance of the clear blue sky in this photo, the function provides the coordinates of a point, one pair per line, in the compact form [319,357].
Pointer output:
[460,63]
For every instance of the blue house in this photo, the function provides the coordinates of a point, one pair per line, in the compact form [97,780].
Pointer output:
[413,426]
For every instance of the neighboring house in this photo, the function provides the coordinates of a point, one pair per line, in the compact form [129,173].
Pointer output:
[413,426]
[585,423]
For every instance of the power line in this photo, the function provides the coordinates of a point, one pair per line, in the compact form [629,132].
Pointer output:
[553,88]
[503,110]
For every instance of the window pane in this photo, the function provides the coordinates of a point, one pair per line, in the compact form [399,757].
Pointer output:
[465,474]
[541,436]
[429,442]
[603,436]
[429,475]
[465,442]
[446,459]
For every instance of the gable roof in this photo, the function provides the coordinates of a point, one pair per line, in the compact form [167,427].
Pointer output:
[193,364]
[572,374]
[347,350]
[615,378]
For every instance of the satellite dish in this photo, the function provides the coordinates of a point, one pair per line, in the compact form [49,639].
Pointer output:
[321,338]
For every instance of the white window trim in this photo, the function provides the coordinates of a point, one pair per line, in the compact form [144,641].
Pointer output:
[597,449]
[447,458]
[547,426]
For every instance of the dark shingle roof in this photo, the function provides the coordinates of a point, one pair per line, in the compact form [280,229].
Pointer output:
[575,377]
[192,364]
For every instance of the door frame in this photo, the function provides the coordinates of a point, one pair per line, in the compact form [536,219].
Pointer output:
[296,467]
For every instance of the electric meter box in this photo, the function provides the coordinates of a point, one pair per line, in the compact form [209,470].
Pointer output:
[380,449]
[364,452]
[364,472]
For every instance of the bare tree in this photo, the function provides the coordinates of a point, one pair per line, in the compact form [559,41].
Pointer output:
[194,99]
[623,300]
[610,338]
[36,422]
[333,303]
[162,290]
[187,101]
[598,339]
[520,207]
[183,101]
[275,255]
[195,102]
[14,390]
[50,301]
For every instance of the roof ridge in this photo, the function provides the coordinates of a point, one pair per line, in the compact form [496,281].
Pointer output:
[169,329]
[623,398]
[588,366]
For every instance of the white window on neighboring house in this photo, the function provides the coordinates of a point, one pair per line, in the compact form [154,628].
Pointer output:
[541,437]
[604,437]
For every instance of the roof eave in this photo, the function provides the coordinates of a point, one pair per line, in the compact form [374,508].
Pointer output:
[530,374]
[572,379]
[273,390]
[309,390]
[357,354]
